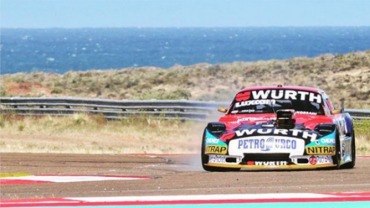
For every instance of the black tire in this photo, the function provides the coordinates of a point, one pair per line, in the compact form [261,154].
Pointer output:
[337,158]
[204,159]
[353,153]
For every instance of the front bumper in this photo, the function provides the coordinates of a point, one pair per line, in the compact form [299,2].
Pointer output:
[270,161]
[270,167]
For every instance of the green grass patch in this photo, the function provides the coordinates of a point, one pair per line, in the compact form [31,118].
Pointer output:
[362,127]
[362,130]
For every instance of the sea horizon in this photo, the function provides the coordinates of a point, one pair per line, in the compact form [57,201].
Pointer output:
[59,50]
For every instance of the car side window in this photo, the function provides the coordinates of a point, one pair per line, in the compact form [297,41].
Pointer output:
[328,103]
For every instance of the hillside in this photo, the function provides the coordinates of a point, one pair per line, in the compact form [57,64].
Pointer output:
[341,76]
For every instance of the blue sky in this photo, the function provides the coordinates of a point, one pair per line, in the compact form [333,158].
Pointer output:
[182,13]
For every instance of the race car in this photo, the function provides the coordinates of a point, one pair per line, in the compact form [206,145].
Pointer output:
[279,127]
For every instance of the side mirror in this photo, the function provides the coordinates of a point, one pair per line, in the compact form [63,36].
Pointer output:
[336,111]
[222,109]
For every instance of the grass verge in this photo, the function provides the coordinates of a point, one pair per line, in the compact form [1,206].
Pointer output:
[93,134]
[362,130]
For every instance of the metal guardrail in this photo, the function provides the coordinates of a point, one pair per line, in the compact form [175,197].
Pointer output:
[111,109]
[116,109]
[358,114]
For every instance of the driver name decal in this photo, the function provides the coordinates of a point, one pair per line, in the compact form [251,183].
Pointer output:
[254,102]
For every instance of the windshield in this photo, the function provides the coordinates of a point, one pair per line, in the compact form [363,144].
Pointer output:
[269,101]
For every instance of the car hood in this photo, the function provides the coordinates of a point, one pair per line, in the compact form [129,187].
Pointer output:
[305,121]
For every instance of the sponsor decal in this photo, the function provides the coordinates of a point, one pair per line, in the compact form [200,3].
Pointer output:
[212,141]
[313,160]
[243,96]
[328,140]
[216,150]
[264,144]
[287,95]
[305,113]
[286,132]
[323,150]
[267,144]
[325,141]
[217,159]
[249,119]
[320,159]
[323,159]
[267,163]
[250,162]
[254,102]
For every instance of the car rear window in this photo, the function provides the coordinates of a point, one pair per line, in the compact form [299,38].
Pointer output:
[271,100]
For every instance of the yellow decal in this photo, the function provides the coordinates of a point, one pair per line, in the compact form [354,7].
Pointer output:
[216,150]
[320,150]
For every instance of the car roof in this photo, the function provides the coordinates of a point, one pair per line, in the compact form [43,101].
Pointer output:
[281,87]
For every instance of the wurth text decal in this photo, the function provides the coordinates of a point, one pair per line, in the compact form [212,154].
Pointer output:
[286,132]
[287,95]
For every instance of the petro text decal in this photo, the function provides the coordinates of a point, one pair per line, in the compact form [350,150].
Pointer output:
[267,144]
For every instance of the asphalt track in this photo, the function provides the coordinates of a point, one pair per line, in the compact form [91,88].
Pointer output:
[167,175]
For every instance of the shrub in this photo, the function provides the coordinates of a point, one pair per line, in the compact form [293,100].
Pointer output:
[79,119]
[2,121]
[56,90]
[2,91]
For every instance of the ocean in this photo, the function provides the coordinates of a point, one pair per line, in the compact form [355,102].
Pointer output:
[60,50]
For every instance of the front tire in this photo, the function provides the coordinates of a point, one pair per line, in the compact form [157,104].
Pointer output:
[337,158]
[353,153]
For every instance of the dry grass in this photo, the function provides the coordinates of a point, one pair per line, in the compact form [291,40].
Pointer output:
[94,135]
